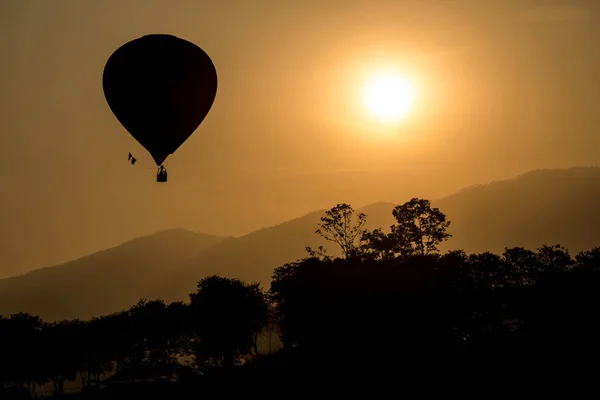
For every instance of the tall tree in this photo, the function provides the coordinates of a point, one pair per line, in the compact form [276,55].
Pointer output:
[149,323]
[341,226]
[63,352]
[98,351]
[227,316]
[177,331]
[161,331]
[20,346]
[419,229]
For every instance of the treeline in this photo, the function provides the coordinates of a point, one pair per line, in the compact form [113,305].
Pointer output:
[393,296]
[390,302]
[218,326]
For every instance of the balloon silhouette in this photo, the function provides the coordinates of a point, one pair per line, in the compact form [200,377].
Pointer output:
[160,88]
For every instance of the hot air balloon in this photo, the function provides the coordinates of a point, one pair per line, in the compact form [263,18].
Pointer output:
[160,88]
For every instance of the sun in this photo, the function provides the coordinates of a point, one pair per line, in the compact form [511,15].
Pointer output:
[388,97]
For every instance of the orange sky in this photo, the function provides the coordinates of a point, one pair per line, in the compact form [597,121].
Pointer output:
[505,87]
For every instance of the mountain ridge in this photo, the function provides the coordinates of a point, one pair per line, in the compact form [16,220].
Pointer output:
[541,207]
[157,235]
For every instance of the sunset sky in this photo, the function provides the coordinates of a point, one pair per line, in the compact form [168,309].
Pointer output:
[500,87]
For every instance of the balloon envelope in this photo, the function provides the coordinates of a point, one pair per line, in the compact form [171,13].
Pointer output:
[160,88]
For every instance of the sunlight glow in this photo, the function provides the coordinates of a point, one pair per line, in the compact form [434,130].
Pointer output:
[389,97]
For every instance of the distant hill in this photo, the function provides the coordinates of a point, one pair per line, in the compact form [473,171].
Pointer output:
[103,282]
[540,207]
[557,206]
[553,206]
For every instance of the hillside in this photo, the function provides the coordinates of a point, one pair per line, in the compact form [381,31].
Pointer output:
[105,281]
[541,207]
[533,209]
[557,206]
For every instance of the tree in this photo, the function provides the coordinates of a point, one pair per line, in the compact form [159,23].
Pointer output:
[525,264]
[589,260]
[284,293]
[227,315]
[62,352]
[98,351]
[20,346]
[489,269]
[177,332]
[378,245]
[339,226]
[420,228]
[149,320]
[119,339]
[554,259]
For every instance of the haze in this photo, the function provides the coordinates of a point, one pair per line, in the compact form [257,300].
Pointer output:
[504,87]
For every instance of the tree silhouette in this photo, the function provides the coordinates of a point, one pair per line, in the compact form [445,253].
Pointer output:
[99,351]
[554,259]
[589,260]
[176,332]
[286,294]
[419,229]
[378,245]
[227,315]
[525,264]
[399,300]
[339,225]
[489,269]
[21,346]
[63,358]
[119,336]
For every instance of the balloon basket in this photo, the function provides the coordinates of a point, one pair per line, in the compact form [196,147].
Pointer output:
[161,176]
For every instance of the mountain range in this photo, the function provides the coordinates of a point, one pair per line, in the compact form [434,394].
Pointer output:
[533,209]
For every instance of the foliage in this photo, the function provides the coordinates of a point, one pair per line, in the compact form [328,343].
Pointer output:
[419,229]
[391,296]
[227,317]
[341,226]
